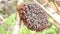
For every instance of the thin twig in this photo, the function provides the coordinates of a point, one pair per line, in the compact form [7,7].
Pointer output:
[16,26]
[56,6]
[2,18]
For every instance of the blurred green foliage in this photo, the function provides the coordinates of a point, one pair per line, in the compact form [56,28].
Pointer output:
[10,20]
[26,1]
[4,31]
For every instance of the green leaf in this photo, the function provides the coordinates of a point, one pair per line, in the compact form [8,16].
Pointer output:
[10,20]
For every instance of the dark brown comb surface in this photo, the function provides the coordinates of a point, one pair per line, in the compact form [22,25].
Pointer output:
[34,16]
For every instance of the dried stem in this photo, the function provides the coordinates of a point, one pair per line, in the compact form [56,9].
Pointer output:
[16,26]
[56,6]
[18,21]
[2,18]
[20,1]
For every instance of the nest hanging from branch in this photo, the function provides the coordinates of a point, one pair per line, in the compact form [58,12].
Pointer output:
[33,16]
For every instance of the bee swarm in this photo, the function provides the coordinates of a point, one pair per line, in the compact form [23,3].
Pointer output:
[33,16]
